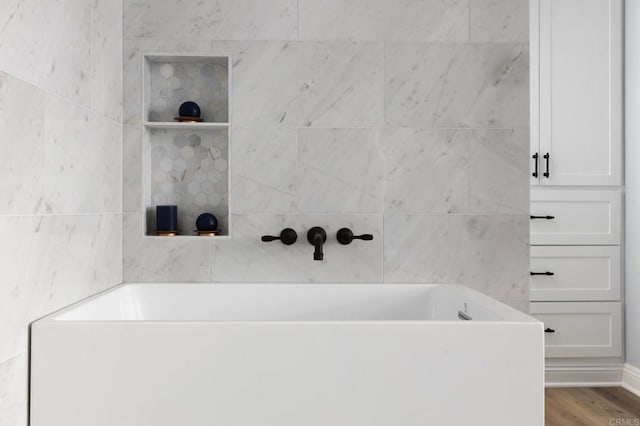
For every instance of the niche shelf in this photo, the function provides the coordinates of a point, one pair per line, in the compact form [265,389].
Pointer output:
[186,164]
[174,125]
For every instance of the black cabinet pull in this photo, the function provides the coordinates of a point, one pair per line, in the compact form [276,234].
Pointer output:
[288,236]
[546,157]
[535,167]
[542,273]
[542,217]
[549,330]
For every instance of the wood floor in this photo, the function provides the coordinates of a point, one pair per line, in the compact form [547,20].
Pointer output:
[591,406]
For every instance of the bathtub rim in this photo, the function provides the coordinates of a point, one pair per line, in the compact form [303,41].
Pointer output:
[514,316]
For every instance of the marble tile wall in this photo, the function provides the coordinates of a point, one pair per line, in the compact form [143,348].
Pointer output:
[61,174]
[404,118]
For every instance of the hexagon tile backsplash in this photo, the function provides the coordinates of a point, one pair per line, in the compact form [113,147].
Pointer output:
[190,169]
[203,83]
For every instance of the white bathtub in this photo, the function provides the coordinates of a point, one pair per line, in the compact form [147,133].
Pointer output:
[287,355]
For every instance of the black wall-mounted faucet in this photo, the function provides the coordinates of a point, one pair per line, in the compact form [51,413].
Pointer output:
[317,237]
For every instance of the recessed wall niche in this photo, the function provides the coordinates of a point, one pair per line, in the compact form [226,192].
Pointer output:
[186,163]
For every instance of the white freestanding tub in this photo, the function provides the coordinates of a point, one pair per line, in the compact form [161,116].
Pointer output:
[287,355]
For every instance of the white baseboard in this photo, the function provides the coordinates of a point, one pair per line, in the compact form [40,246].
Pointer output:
[583,376]
[631,379]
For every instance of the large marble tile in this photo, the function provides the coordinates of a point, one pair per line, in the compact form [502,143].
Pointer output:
[51,262]
[60,157]
[427,170]
[264,170]
[15,15]
[499,171]
[158,259]
[457,85]
[385,20]
[255,20]
[132,168]
[340,170]
[134,49]
[21,146]
[14,389]
[168,18]
[297,84]
[487,253]
[83,160]
[499,21]
[48,44]
[106,58]
[247,259]
[212,19]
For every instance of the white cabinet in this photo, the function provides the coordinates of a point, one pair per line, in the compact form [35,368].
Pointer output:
[582,329]
[575,217]
[576,174]
[576,88]
[566,273]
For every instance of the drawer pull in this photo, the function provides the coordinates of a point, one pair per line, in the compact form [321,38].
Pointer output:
[535,168]
[549,330]
[542,217]
[547,273]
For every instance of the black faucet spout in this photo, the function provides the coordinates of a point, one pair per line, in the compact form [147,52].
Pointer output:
[317,242]
[317,237]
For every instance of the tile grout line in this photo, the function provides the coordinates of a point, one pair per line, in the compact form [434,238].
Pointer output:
[327,41]
[382,266]
[384,83]
[297,176]
[10,216]
[469,23]
[298,20]
[125,136]
[413,126]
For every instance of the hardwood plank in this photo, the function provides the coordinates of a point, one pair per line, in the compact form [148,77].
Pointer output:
[623,398]
[590,406]
[563,408]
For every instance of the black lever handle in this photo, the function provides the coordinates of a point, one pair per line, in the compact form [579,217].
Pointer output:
[542,273]
[535,168]
[549,330]
[546,157]
[345,236]
[288,236]
[542,217]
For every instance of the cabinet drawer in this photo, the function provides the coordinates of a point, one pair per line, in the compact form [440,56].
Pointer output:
[579,273]
[575,217]
[581,329]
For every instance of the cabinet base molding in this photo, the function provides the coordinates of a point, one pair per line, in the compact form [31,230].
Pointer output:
[584,376]
[631,379]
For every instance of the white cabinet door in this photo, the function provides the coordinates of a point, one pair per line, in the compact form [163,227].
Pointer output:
[580,329]
[572,273]
[576,120]
[575,217]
